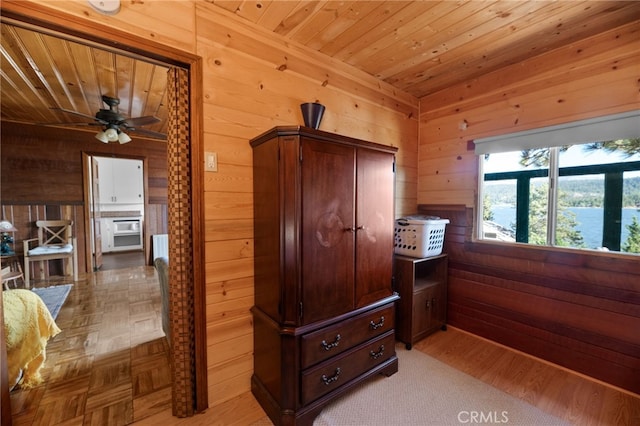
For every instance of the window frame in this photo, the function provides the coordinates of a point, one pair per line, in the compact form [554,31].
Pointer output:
[618,126]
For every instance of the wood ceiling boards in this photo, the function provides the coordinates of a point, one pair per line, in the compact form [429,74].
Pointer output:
[419,47]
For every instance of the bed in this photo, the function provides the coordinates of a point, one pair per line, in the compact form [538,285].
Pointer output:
[28,327]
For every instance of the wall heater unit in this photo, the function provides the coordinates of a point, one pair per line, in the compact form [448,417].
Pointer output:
[160,246]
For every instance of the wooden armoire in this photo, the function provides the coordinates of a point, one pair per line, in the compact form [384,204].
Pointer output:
[324,304]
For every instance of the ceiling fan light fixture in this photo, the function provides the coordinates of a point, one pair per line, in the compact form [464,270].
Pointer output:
[102,137]
[123,138]
[111,134]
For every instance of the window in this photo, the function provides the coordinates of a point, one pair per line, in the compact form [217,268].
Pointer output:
[575,185]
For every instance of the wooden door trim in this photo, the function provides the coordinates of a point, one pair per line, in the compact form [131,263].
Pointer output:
[145,182]
[88,217]
[44,19]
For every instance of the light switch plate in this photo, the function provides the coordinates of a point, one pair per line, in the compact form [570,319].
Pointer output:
[210,162]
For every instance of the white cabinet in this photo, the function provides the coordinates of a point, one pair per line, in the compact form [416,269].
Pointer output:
[121,181]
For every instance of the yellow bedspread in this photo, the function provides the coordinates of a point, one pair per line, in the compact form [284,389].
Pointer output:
[28,326]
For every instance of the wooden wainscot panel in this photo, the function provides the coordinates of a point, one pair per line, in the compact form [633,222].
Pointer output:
[600,362]
[552,311]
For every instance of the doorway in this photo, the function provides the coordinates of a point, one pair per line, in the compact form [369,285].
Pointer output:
[185,201]
[116,207]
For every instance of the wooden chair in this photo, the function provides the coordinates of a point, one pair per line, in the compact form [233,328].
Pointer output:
[55,241]
[162,266]
[11,271]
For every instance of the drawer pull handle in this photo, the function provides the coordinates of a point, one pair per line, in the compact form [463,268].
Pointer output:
[376,355]
[329,380]
[328,346]
[375,326]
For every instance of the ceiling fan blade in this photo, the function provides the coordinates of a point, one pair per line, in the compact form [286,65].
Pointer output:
[149,133]
[141,121]
[68,124]
[68,111]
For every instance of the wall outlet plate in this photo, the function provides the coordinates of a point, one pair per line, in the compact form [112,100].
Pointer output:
[210,162]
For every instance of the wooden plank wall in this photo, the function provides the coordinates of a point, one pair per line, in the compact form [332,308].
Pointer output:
[579,309]
[254,81]
[41,177]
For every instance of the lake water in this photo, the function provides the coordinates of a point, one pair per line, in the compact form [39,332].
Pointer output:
[589,222]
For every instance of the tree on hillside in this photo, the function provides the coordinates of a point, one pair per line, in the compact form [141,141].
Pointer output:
[632,245]
[487,212]
[566,233]
[539,157]
[538,215]
[629,147]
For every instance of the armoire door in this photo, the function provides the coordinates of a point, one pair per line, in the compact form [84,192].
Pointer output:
[328,229]
[375,222]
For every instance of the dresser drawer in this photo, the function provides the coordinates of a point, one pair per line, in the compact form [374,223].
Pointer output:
[337,371]
[330,341]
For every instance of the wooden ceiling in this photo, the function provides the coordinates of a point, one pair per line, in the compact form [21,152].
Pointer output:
[419,47]
[43,74]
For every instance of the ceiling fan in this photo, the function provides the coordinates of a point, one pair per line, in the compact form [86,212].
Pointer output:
[113,123]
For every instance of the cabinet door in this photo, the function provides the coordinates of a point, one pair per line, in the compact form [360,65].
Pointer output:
[429,310]
[127,181]
[105,175]
[375,222]
[422,312]
[328,229]
[440,306]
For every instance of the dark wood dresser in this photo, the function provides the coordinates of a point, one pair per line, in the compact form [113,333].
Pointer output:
[324,305]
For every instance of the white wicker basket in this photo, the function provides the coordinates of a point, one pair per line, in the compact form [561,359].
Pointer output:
[419,236]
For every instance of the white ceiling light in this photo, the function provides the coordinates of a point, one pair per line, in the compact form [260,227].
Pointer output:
[102,137]
[108,7]
[123,138]
[111,134]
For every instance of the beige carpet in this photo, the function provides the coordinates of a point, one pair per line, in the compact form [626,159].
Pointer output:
[426,391]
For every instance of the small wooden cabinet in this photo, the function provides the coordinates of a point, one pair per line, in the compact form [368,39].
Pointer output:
[422,286]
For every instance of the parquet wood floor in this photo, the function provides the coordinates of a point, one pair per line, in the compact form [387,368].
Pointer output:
[109,366]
